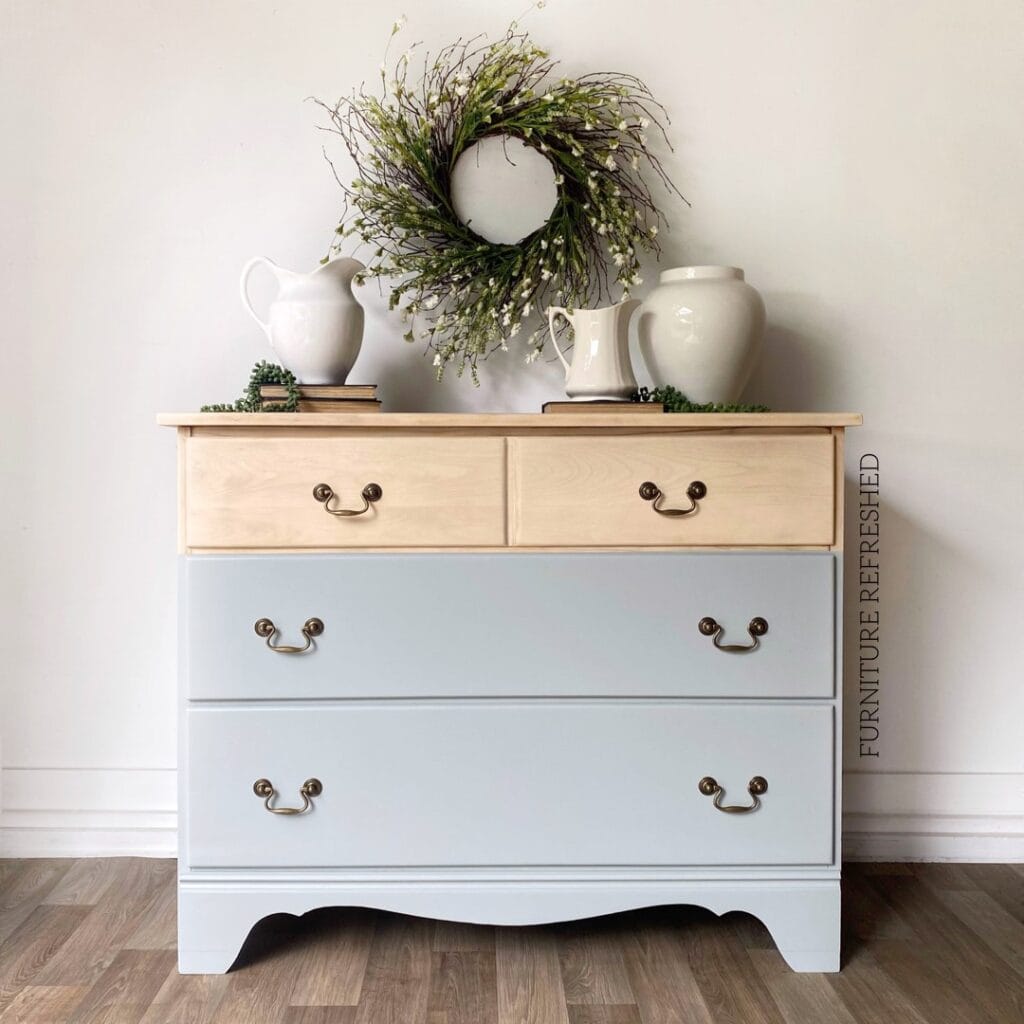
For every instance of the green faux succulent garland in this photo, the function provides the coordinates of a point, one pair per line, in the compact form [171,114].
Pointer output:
[262,373]
[675,401]
[463,295]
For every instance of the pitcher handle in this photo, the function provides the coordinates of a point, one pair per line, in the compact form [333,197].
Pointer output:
[243,286]
[553,312]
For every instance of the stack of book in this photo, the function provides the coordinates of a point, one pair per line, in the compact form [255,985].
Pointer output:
[601,406]
[326,397]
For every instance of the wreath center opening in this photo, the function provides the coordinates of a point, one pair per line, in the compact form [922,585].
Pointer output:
[503,189]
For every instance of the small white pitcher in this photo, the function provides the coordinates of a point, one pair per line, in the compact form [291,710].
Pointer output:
[315,324]
[600,368]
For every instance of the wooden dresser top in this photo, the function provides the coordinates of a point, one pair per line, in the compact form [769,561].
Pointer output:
[515,422]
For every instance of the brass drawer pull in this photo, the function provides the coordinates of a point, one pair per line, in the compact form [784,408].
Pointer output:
[757,786]
[311,628]
[370,493]
[310,788]
[757,627]
[652,492]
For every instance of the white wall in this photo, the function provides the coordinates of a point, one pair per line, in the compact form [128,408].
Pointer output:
[862,161]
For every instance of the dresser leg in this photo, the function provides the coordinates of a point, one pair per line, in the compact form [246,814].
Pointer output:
[803,921]
[211,930]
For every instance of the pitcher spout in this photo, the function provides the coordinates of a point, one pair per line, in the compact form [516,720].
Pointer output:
[343,268]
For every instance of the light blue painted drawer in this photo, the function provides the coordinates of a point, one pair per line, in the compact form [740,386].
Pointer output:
[510,783]
[515,624]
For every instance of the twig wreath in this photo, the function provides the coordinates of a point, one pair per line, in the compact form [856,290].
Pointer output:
[464,295]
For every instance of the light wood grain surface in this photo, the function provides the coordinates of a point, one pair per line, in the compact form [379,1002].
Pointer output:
[761,490]
[571,422]
[252,490]
[93,941]
[255,492]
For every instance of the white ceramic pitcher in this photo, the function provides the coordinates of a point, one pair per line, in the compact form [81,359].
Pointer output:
[314,324]
[600,367]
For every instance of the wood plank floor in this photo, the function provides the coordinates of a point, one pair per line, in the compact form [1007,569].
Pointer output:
[93,941]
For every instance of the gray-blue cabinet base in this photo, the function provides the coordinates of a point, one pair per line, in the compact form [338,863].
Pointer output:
[510,738]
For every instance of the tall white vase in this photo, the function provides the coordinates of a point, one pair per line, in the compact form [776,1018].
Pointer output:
[700,331]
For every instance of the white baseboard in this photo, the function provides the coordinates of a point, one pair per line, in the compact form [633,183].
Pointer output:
[84,839]
[933,816]
[90,812]
[917,839]
[890,816]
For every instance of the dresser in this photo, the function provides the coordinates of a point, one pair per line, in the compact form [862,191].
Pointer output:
[509,669]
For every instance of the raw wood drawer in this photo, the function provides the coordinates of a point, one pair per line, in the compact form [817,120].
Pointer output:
[773,489]
[501,783]
[510,624]
[258,492]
